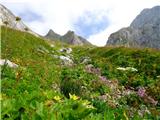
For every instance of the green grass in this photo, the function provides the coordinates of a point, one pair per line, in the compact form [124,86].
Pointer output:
[43,89]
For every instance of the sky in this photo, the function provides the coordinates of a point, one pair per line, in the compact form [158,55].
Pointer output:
[94,20]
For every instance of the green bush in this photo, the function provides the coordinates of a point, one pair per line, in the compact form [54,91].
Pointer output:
[70,82]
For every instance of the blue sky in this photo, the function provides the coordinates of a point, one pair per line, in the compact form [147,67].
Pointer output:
[93,19]
[89,23]
[30,16]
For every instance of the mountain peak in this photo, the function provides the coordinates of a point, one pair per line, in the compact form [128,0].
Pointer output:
[70,32]
[142,32]
[52,35]
[70,37]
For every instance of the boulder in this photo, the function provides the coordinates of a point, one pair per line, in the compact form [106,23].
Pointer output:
[8,63]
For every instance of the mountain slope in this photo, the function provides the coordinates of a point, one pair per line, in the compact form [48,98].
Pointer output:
[144,31]
[8,19]
[92,88]
[70,38]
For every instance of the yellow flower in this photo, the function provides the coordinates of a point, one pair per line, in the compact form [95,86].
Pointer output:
[74,97]
[86,102]
[57,98]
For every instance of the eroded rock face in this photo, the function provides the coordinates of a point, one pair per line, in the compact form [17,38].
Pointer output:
[7,16]
[144,31]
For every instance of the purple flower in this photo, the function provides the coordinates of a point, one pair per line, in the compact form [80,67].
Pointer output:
[102,78]
[141,92]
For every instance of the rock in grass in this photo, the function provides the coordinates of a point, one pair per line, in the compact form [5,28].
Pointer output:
[66,50]
[8,63]
[85,60]
[66,60]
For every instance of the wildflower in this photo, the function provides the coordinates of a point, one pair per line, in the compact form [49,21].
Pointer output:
[85,102]
[74,97]
[141,92]
[57,98]
[121,68]
[158,76]
[91,69]
[131,69]
[102,78]
[127,69]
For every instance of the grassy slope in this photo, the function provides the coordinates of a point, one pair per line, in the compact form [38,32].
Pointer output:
[147,61]
[37,81]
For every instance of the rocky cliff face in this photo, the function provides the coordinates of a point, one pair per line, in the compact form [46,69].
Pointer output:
[144,31]
[7,18]
[70,37]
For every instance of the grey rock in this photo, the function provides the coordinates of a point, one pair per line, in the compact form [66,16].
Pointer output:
[144,31]
[85,60]
[66,50]
[8,63]
[66,60]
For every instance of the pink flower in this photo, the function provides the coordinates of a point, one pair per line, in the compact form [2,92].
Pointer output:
[102,78]
[141,92]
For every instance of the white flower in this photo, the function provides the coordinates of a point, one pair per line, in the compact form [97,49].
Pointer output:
[131,69]
[121,68]
[127,69]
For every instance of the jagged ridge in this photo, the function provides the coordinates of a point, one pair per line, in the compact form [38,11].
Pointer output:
[70,37]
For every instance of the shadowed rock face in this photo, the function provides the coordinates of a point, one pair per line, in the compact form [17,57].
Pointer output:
[7,15]
[70,37]
[52,35]
[144,31]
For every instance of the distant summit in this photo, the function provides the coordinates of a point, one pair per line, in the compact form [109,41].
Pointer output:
[52,35]
[7,18]
[70,38]
[144,31]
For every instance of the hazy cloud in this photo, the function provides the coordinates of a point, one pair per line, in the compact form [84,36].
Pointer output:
[91,23]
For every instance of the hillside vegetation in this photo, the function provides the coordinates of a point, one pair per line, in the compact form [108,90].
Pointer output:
[101,83]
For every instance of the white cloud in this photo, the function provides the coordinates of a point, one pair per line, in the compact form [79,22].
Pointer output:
[59,15]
